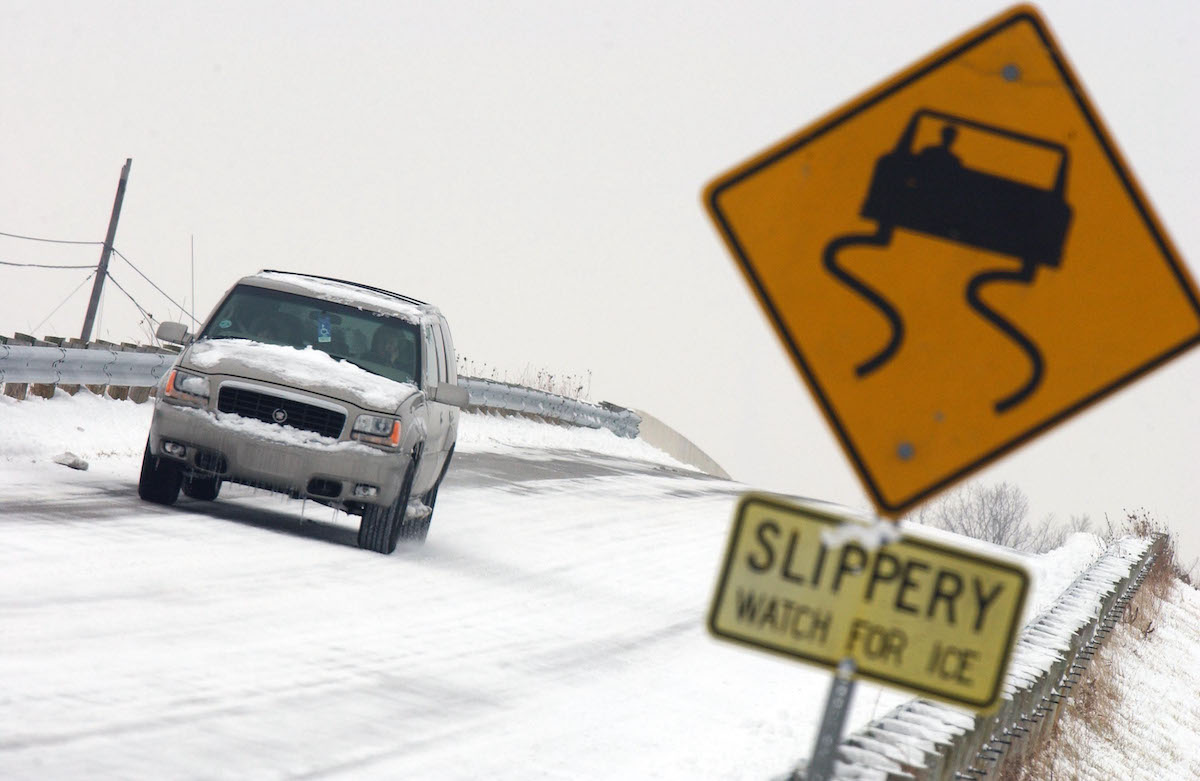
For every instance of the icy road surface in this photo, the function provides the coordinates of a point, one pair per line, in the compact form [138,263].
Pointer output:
[551,627]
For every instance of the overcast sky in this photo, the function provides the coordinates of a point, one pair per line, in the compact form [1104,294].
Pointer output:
[535,169]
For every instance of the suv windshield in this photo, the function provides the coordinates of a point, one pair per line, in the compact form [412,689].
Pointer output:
[383,345]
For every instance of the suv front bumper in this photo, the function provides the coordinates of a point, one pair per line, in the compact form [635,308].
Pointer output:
[324,470]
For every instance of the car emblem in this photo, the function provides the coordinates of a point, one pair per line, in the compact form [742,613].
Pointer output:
[279,416]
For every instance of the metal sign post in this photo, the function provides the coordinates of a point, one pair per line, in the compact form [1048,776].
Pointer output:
[837,705]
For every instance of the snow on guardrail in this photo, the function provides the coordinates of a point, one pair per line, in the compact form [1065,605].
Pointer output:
[927,741]
[125,366]
[489,394]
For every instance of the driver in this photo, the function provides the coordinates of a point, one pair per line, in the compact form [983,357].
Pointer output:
[391,348]
[385,346]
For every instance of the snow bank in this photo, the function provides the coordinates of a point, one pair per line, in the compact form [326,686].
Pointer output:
[1050,573]
[481,432]
[91,426]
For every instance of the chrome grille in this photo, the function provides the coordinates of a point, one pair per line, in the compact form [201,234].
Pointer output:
[265,407]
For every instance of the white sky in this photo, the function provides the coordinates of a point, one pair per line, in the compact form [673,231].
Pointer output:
[535,169]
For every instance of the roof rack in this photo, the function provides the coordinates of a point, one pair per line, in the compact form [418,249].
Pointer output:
[402,297]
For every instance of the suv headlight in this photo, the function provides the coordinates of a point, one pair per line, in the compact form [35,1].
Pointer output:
[191,388]
[376,430]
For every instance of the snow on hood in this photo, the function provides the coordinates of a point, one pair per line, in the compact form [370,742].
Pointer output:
[308,369]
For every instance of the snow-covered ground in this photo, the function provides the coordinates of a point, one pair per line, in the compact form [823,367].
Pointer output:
[551,627]
[1153,735]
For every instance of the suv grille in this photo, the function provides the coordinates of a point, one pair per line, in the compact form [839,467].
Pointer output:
[264,407]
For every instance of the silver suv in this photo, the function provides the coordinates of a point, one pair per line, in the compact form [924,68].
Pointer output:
[317,388]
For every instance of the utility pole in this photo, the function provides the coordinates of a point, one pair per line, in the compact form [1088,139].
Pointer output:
[102,269]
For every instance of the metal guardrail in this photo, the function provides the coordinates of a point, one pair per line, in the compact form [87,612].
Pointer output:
[102,365]
[492,395]
[927,741]
[76,366]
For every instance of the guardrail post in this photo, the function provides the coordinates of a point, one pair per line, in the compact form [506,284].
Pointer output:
[141,394]
[40,389]
[17,390]
[119,392]
[95,388]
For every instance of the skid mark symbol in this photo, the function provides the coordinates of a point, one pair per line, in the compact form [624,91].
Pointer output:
[933,193]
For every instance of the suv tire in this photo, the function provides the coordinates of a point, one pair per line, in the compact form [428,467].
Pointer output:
[160,478]
[381,527]
[203,488]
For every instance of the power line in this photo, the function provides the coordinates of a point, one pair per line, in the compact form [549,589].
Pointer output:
[65,300]
[145,314]
[37,265]
[112,279]
[49,241]
[182,308]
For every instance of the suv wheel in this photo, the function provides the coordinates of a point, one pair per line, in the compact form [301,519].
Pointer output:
[160,478]
[203,488]
[381,527]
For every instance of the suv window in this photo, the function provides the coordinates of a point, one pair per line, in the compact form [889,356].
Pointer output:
[441,352]
[448,343]
[447,349]
[382,345]
[431,361]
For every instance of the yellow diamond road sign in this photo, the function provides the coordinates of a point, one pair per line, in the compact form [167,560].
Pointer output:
[957,260]
[938,621]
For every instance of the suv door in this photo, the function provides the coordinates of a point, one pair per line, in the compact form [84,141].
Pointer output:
[438,421]
[447,344]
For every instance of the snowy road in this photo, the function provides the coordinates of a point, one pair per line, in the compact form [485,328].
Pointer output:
[551,627]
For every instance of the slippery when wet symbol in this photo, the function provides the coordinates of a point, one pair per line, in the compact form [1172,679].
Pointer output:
[932,192]
[944,291]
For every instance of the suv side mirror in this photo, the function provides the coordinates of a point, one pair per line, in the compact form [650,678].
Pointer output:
[454,395]
[175,333]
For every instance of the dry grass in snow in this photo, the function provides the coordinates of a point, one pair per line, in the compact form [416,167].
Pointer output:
[1136,712]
